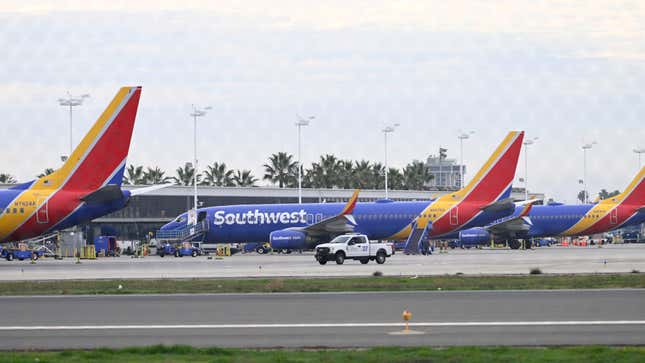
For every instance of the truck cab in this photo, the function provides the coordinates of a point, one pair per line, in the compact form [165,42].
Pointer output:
[355,247]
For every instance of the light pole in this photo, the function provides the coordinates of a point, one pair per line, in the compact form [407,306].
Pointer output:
[197,112]
[527,143]
[71,102]
[388,129]
[299,124]
[462,136]
[586,147]
[639,152]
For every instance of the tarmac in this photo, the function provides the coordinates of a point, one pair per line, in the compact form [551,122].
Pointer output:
[524,318]
[555,260]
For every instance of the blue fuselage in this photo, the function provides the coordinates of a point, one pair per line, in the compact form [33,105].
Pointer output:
[254,223]
[556,220]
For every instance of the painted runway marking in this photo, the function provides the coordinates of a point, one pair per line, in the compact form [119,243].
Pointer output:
[321,325]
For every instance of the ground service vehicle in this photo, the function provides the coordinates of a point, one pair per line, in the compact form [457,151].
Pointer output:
[355,247]
[21,253]
[106,246]
[185,249]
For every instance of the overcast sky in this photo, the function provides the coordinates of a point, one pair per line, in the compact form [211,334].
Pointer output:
[568,72]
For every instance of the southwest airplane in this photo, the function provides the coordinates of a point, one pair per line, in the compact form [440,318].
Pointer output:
[87,186]
[297,226]
[625,209]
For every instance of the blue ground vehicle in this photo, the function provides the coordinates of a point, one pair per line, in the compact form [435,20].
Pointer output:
[186,249]
[21,253]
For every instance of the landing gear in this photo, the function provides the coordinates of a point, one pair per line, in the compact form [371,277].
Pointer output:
[514,244]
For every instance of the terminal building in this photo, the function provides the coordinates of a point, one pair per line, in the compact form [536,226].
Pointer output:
[447,173]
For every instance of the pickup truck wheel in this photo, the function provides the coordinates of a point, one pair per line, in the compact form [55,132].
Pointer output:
[364,261]
[322,261]
[380,257]
[340,258]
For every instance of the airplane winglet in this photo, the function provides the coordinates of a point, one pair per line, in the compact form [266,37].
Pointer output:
[526,210]
[351,203]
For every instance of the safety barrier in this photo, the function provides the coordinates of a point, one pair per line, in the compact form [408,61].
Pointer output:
[223,250]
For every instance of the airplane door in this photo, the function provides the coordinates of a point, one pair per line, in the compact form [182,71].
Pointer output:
[42,216]
[613,216]
[454,216]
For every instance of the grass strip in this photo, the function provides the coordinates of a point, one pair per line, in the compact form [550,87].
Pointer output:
[382,283]
[588,354]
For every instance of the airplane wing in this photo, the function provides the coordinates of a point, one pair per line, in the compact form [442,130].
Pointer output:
[149,189]
[341,223]
[513,225]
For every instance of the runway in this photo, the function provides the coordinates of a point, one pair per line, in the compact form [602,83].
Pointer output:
[611,258]
[559,317]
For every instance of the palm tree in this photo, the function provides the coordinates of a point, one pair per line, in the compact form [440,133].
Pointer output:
[218,175]
[416,175]
[244,178]
[363,173]
[134,175]
[155,176]
[186,175]
[281,169]
[604,194]
[45,172]
[378,176]
[346,178]
[325,173]
[395,180]
[7,179]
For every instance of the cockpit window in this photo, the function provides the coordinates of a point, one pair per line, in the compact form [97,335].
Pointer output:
[181,219]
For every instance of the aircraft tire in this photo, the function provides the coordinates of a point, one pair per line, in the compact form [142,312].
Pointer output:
[514,244]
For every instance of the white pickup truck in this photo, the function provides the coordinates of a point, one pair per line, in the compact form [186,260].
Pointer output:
[353,246]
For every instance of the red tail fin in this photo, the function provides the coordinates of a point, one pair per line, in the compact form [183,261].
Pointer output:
[494,180]
[100,157]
